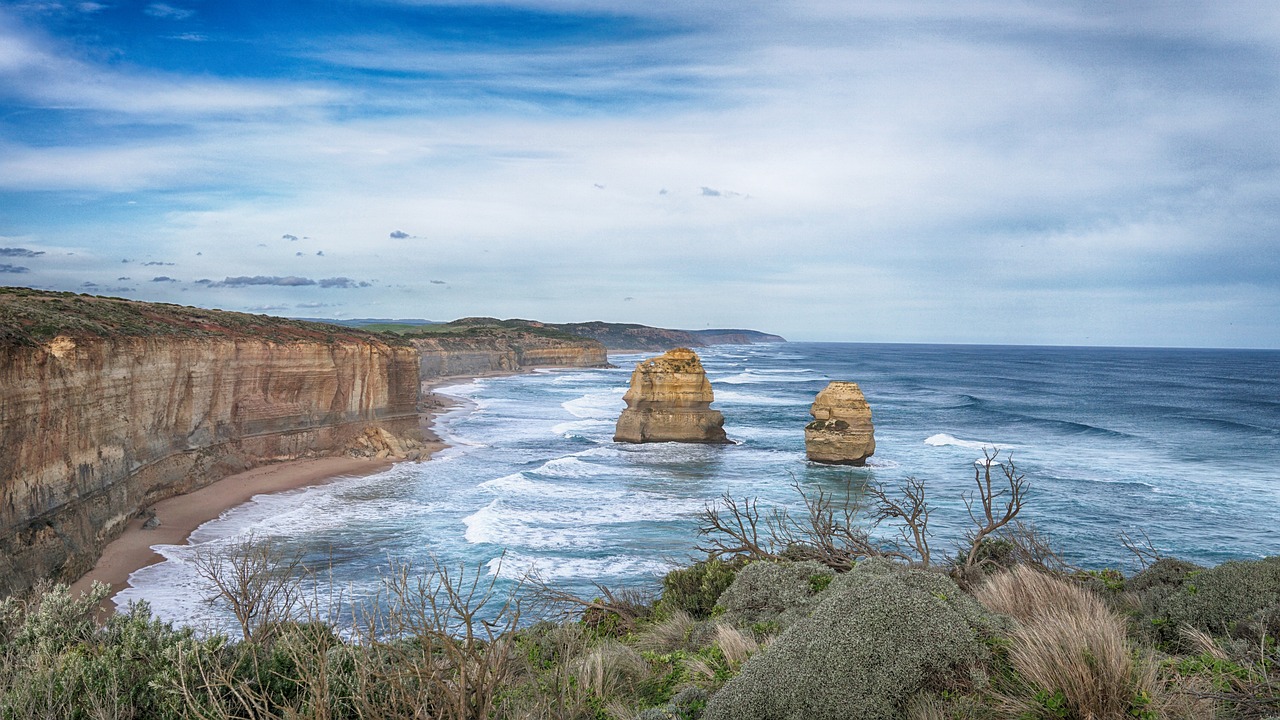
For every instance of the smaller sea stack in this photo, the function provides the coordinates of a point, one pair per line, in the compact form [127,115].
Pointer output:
[669,401]
[841,432]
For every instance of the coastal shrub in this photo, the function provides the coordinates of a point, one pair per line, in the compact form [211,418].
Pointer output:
[1070,651]
[774,592]
[54,662]
[696,589]
[53,619]
[1163,573]
[1240,598]
[687,704]
[881,635]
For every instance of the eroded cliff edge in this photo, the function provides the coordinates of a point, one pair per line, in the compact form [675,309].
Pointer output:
[107,406]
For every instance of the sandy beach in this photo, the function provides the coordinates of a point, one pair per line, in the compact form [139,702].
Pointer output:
[179,516]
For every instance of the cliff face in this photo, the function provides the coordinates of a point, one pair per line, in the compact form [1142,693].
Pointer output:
[95,426]
[93,431]
[669,401]
[841,432]
[445,356]
[109,405]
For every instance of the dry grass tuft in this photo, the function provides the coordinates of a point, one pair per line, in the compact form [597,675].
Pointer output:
[736,645]
[671,634]
[1067,641]
[610,669]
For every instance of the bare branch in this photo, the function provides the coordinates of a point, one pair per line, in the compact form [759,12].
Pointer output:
[1144,549]
[256,580]
[992,514]
[912,512]
[832,530]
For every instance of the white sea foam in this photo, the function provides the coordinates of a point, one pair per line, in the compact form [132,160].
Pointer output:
[571,467]
[882,463]
[315,509]
[746,398]
[755,377]
[943,439]
[597,405]
[589,429]
[498,524]
[562,568]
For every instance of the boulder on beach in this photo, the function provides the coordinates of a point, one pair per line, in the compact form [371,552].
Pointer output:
[669,401]
[841,432]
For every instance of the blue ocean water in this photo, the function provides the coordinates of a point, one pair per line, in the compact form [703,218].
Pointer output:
[1183,444]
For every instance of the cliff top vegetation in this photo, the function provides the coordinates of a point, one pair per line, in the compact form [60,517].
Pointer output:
[614,336]
[32,317]
[472,327]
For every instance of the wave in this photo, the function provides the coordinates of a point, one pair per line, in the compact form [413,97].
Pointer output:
[517,523]
[514,566]
[583,429]
[944,440]
[746,398]
[571,467]
[597,405]
[1222,424]
[495,524]
[882,463]
[756,377]
[337,505]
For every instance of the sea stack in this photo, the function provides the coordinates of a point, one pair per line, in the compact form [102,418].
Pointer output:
[669,401]
[841,432]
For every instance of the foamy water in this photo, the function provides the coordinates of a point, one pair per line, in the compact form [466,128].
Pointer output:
[1183,444]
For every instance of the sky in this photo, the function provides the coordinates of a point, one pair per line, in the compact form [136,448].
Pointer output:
[956,171]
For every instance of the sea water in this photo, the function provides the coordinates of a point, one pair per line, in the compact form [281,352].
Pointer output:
[1183,445]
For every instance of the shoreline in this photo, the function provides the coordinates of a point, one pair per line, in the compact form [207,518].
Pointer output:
[179,516]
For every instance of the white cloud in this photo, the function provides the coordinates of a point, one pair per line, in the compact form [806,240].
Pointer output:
[954,172]
[164,10]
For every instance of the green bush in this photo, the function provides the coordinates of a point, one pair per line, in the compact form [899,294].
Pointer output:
[881,635]
[772,592]
[696,589]
[54,662]
[1237,598]
[1163,573]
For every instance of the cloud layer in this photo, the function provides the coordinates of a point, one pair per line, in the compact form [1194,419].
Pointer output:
[935,171]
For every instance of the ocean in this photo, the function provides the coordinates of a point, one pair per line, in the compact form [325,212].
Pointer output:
[1183,445]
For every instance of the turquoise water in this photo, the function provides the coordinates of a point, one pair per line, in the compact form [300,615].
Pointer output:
[1184,444]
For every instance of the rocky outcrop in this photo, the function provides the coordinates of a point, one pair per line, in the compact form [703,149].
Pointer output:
[841,432]
[130,403]
[669,401]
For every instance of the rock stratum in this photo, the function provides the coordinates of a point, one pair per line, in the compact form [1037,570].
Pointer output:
[109,405]
[475,346]
[669,400]
[841,432]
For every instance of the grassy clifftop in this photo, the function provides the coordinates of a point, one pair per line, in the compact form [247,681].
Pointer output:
[614,336]
[32,317]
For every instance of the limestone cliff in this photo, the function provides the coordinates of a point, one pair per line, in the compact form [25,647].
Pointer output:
[669,401]
[449,355]
[107,406]
[841,432]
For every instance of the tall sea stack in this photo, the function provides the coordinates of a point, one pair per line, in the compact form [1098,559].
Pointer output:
[841,432]
[669,401]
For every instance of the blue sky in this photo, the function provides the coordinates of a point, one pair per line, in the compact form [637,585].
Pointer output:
[946,171]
